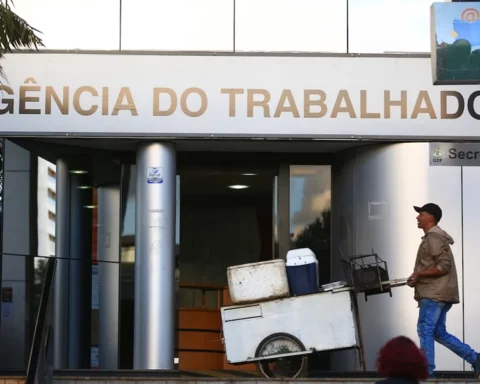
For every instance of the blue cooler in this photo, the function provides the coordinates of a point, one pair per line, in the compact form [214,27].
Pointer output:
[302,272]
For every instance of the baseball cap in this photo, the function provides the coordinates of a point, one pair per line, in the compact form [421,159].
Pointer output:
[431,208]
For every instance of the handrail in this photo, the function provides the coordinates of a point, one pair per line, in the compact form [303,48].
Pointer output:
[40,361]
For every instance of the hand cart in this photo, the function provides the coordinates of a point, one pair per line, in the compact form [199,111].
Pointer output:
[279,334]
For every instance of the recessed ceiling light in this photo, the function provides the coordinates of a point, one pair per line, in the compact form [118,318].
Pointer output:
[249,174]
[84,187]
[78,171]
[238,186]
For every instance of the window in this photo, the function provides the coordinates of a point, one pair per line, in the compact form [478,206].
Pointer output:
[51,238]
[52,194]
[51,215]
[310,212]
[52,173]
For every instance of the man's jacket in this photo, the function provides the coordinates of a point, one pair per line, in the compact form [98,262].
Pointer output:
[434,250]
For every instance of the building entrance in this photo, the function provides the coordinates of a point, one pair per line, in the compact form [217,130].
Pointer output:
[228,212]
[227,217]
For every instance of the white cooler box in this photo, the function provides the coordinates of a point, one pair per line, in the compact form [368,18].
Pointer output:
[254,282]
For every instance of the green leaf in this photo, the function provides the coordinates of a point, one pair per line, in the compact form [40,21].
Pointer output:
[15,32]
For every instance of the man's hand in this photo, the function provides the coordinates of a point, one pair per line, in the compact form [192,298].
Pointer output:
[412,280]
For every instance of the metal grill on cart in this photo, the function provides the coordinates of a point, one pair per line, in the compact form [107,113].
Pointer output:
[367,274]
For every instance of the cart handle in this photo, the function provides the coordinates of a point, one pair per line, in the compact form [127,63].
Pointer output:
[396,282]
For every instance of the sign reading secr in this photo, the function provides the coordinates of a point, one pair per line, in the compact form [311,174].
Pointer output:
[454,154]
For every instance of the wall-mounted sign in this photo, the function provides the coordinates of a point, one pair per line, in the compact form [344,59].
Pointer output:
[232,96]
[455,37]
[455,154]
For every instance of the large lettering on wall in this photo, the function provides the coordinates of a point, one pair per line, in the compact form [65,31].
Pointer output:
[33,99]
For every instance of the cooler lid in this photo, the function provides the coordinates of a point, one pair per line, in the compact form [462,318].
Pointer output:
[249,265]
[300,256]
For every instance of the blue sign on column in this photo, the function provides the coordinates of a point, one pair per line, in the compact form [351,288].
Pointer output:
[455,37]
[154,175]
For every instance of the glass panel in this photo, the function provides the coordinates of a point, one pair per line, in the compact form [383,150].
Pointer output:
[310,225]
[46,213]
[227,219]
[94,358]
[1,192]
[310,212]
[127,258]
[276,251]
[291,25]
[73,24]
[195,25]
[378,26]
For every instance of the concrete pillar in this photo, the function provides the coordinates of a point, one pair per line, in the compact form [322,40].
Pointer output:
[154,333]
[62,249]
[80,284]
[108,252]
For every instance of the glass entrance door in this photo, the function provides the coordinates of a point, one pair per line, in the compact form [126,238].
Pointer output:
[226,218]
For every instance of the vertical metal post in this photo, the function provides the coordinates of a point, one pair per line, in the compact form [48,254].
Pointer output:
[80,284]
[2,186]
[109,274]
[62,249]
[154,334]
[283,210]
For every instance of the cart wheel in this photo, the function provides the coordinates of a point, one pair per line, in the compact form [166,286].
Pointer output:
[287,367]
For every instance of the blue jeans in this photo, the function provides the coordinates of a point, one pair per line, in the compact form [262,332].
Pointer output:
[431,327]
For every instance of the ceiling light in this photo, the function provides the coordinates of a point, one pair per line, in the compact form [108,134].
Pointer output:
[90,206]
[238,186]
[78,171]
[249,174]
[84,187]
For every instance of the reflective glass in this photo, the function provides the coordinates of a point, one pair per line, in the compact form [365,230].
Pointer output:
[290,25]
[74,24]
[310,213]
[178,25]
[378,26]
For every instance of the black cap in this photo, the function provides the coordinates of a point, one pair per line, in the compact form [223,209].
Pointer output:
[431,208]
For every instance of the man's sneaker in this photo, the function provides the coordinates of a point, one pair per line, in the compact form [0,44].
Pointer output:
[476,368]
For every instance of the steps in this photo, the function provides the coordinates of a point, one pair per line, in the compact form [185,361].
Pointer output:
[218,377]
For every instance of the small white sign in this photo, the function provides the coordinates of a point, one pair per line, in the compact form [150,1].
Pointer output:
[154,175]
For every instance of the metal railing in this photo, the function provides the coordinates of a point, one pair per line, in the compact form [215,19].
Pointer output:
[40,361]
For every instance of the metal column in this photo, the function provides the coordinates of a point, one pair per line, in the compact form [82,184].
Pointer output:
[72,289]
[154,331]
[80,284]
[109,274]
[62,249]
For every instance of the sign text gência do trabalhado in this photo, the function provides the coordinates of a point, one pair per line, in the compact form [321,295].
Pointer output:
[33,99]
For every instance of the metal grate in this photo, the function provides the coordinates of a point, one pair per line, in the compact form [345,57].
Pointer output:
[367,274]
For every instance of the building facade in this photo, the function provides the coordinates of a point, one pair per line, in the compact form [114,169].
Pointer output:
[46,207]
[212,154]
